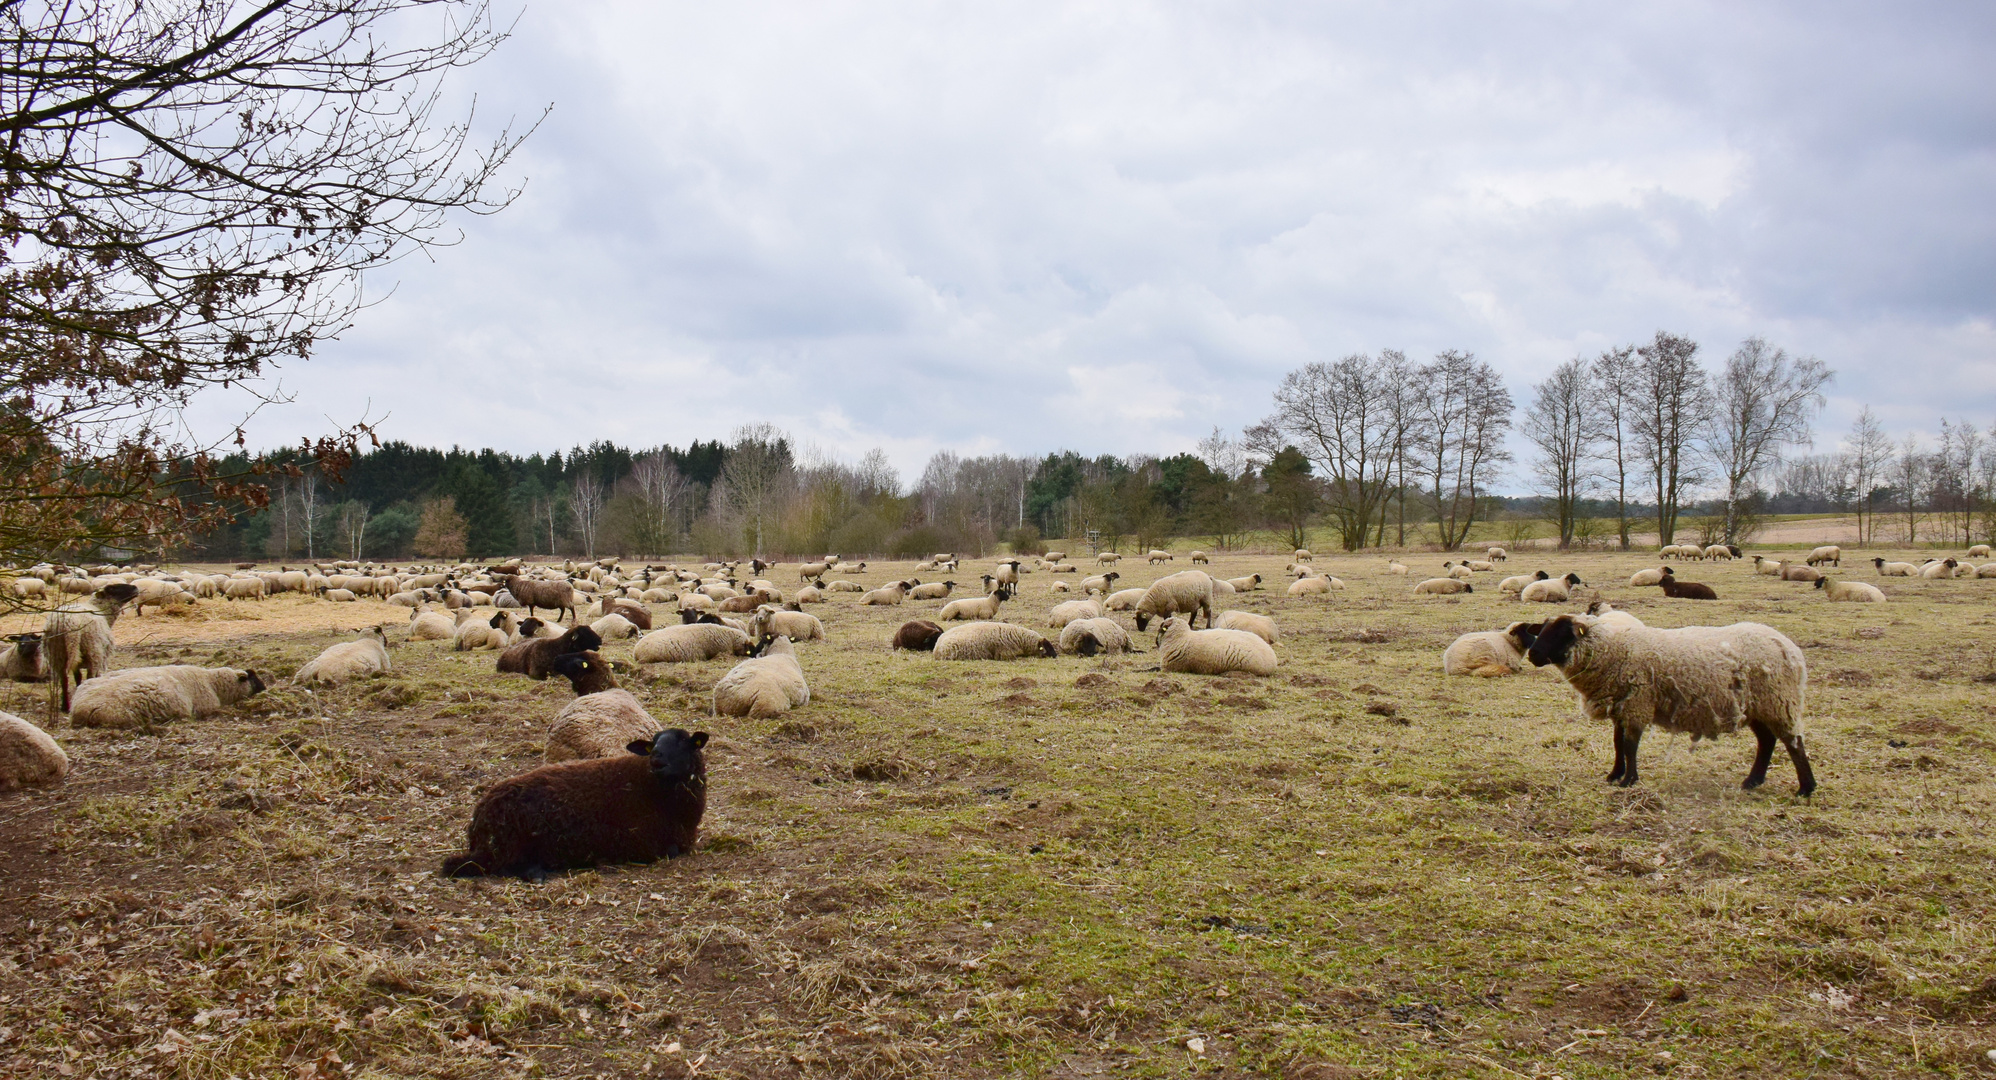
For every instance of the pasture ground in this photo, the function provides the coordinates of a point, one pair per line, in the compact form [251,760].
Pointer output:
[1071,868]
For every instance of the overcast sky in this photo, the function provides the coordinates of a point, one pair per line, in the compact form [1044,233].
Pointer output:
[1109,227]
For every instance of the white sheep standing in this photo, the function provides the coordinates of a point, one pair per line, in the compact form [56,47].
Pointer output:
[1212,652]
[991,641]
[143,697]
[348,660]
[1490,653]
[1703,680]
[29,757]
[1188,593]
[77,639]
[769,684]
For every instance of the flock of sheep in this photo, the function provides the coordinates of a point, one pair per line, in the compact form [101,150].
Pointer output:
[619,785]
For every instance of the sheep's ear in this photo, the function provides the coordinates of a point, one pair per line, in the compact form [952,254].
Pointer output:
[699,739]
[640,747]
[1579,628]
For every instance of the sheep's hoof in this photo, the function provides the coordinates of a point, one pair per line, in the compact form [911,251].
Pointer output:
[1752,782]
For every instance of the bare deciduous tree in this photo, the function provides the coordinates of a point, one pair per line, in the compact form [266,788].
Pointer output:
[585,505]
[1763,401]
[1465,412]
[1336,413]
[353,517]
[754,477]
[1403,417]
[1616,394]
[191,190]
[1674,402]
[1868,451]
[662,494]
[1560,424]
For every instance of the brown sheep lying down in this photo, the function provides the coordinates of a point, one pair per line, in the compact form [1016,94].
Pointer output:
[639,807]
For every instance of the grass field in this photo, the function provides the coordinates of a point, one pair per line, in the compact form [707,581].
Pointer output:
[1048,868]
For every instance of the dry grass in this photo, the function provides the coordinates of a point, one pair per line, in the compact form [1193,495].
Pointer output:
[1046,868]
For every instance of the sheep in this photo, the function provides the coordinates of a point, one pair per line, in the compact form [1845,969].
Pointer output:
[991,641]
[1517,584]
[1101,583]
[1260,626]
[77,639]
[1199,558]
[348,660]
[1855,592]
[769,684]
[975,608]
[1106,558]
[1123,600]
[142,697]
[1490,653]
[1089,637]
[431,626]
[244,588]
[24,660]
[1007,574]
[1315,586]
[1245,584]
[1459,571]
[810,594]
[889,594]
[691,643]
[1156,555]
[1441,586]
[1986,570]
[934,590]
[1936,570]
[1685,590]
[1828,553]
[1719,552]
[1063,568]
[1651,576]
[1480,565]
[1894,569]
[1703,680]
[1212,652]
[533,657]
[29,757]
[1497,554]
[1396,567]
[795,625]
[614,627]
[1054,556]
[917,636]
[639,614]
[812,570]
[27,587]
[1611,617]
[1222,587]
[1188,593]
[1073,610]
[557,595]
[603,718]
[1552,590]
[498,632]
[338,596]
[641,806]
[1062,586]
[1302,555]
[1791,572]
[1979,551]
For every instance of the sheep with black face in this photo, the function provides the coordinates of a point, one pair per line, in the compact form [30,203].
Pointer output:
[638,807]
[1704,680]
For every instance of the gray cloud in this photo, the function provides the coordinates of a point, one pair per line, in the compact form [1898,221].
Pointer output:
[1112,226]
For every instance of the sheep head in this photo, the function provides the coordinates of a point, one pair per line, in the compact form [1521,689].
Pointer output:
[1556,639]
[675,755]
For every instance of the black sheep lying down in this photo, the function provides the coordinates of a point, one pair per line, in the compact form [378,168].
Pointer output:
[636,808]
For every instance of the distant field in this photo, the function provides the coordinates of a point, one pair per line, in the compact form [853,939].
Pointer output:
[1355,868]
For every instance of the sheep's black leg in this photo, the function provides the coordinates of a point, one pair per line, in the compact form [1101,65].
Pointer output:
[1758,775]
[1628,738]
[1805,776]
[1621,760]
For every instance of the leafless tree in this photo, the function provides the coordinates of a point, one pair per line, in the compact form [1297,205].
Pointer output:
[1337,414]
[309,490]
[1400,377]
[1617,398]
[1465,412]
[192,189]
[1560,424]
[1674,404]
[585,505]
[755,476]
[1763,401]
[352,520]
[662,494]
[1868,452]
[1951,478]
[1226,457]
[1909,475]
